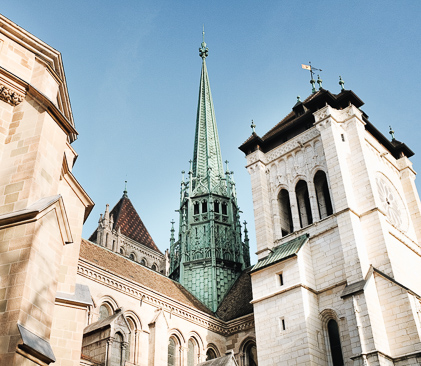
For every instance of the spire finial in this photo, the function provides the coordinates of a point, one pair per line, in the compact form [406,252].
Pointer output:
[319,81]
[203,50]
[341,83]
[253,126]
[312,81]
[125,189]
[392,133]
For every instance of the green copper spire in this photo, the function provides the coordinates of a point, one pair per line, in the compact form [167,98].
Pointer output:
[207,160]
[209,254]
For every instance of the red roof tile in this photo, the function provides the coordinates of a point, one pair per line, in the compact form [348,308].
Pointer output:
[123,267]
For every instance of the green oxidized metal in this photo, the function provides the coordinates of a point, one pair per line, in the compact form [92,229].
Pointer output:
[209,254]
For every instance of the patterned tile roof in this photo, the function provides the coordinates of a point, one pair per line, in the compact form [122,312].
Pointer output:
[131,225]
[237,301]
[282,252]
[123,267]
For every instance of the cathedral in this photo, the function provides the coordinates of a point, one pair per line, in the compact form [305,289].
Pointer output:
[338,232]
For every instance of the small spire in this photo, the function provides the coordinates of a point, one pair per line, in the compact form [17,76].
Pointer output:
[227,169]
[298,99]
[125,189]
[392,133]
[203,50]
[341,83]
[182,176]
[253,126]
[319,81]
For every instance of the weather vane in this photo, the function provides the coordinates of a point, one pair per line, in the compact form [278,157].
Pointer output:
[312,81]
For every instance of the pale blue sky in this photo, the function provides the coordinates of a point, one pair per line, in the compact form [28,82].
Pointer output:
[133,71]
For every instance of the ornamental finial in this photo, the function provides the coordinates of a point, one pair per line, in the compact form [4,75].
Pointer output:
[319,81]
[203,50]
[253,126]
[125,189]
[392,133]
[341,83]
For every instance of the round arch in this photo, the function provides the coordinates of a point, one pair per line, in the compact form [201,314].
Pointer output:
[174,332]
[135,318]
[212,347]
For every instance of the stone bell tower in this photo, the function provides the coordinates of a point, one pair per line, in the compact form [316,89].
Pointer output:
[209,254]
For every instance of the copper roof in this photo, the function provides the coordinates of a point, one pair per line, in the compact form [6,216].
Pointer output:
[131,271]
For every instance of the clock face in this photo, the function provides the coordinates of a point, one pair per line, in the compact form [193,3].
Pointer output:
[391,203]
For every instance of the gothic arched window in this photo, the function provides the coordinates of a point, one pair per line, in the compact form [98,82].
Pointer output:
[285,212]
[335,343]
[132,257]
[322,193]
[204,207]
[153,268]
[303,203]
[143,262]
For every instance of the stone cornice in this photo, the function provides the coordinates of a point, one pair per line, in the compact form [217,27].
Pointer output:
[22,88]
[151,297]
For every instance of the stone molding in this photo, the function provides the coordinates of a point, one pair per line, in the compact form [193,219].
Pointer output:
[152,298]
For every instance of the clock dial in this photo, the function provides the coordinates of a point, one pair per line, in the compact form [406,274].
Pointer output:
[392,204]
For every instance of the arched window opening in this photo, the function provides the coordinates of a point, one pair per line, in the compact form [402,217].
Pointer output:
[116,350]
[121,251]
[106,240]
[104,311]
[204,207]
[196,208]
[132,257]
[191,353]
[130,351]
[322,193]
[335,343]
[173,352]
[210,354]
[250,354]
[303,203]
[153,268]
[285,213]
[143,262]
[216,207]
[224,209]
[114,246]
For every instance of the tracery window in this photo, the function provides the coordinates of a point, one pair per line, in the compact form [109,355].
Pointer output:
[322,193]
[303,203]
[285,212]
[335,343]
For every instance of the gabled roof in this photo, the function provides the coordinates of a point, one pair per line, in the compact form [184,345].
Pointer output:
[227,360]
[118,265]
[131,225]
[236,302]
[282,252]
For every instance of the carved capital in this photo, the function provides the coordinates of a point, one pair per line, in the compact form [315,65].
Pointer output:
[10,96]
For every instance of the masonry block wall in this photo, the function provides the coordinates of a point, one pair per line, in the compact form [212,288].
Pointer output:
[360,265]
[42,206]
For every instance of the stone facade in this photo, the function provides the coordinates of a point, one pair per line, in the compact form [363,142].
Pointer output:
[358,270]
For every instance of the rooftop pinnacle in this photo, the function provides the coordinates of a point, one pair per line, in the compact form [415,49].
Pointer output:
[203,50]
